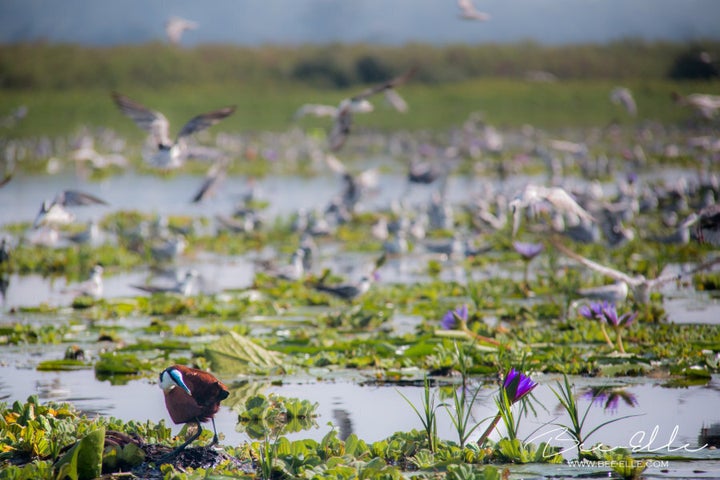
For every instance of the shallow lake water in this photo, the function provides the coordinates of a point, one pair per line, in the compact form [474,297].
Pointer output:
[665,420]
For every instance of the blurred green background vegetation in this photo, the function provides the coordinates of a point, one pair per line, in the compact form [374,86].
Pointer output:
[65,86]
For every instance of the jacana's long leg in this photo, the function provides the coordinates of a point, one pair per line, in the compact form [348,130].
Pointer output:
[187,442]
[215,437]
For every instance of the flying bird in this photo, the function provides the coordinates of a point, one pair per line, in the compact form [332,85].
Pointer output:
[54,213]
[623,96]
[169,154]
[640,286]
[706,105]
[533,195]
[344,115]
[191,395]
[469,12]
[176,26]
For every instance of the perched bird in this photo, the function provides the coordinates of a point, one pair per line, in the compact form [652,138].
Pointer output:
[169,249]
[88,236]
[681,235]
[292,271]
[169,154]
[176,26]
[54,213]
[344,115]
[92,287]
[353,184]
[191,395]
[469,12]
[425,173]
[347,292]
[623,96]
[184,287]
[707,227]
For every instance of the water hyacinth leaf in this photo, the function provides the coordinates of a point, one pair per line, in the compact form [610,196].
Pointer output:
[84,460]
[235,353]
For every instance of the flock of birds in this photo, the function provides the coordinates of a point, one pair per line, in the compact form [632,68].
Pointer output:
[584,215]
[588,214]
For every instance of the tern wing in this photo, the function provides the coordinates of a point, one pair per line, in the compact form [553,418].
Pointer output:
[340,129]
[607,271]
[316,110]
[335,164]
[215,175]
[205,120]
[394,99]
[562,200]
[151,121]
[75,198]
[393,83]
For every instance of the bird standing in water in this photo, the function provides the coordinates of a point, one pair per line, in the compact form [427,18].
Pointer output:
[191,395]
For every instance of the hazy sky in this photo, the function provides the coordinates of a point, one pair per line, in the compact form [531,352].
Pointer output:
[253,22]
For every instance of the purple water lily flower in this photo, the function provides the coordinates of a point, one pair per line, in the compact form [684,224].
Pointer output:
[517,385]
[528,250]
[611,316]
[595,310]
[452,317]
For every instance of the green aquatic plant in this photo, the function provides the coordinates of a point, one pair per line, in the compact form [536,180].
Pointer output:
[461,413]
[428,417]
[468,472]
[84,460]
[624,464]
[515,451]
[567,399]
[275,415]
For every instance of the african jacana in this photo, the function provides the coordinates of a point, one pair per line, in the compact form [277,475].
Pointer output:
[192,395]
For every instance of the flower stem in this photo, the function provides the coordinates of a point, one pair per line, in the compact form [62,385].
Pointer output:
[489,430]
[605,334]
[618,335]
[477,337]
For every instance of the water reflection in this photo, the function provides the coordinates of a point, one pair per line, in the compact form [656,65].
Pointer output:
[710,436]
[351,408]
[343,422]
[609,397]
